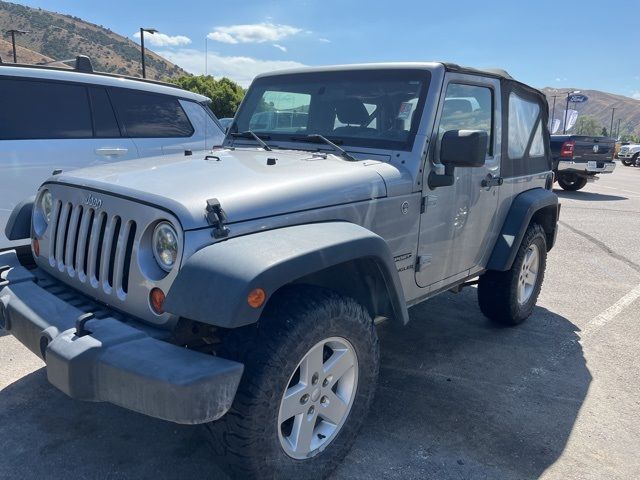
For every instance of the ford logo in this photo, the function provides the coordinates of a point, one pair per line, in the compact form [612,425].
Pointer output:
[93,202]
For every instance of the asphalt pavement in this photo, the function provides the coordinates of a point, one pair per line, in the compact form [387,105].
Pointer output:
[555,398]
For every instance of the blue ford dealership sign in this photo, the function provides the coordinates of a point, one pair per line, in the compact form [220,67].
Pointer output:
[578,98]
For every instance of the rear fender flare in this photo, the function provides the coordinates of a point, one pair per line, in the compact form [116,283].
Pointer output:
[538,205]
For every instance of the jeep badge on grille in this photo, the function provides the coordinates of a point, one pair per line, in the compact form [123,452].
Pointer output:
[93,202]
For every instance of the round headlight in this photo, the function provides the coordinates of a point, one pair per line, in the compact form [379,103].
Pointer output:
[165,245]
[46,205]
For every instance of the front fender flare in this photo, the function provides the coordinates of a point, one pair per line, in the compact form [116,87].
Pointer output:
[19,224]
[213,284]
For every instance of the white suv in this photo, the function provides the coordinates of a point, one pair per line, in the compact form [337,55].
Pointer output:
[61,119]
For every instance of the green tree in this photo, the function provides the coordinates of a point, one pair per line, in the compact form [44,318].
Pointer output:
[225,94]
[587,125]
[604,132]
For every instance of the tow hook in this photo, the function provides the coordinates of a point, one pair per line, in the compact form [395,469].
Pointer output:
[81,321]
[216,217]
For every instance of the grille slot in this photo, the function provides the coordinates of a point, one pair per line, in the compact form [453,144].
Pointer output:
[95,246]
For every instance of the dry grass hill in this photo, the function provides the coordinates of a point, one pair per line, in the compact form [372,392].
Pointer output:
[54,36]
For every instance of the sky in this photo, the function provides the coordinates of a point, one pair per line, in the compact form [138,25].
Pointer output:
[580,44]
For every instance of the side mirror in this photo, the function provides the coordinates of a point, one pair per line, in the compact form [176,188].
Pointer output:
[464,148]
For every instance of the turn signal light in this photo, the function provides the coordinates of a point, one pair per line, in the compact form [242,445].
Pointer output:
[156,299]
[35,245]
[256,297]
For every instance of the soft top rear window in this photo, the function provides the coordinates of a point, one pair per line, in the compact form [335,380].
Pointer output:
[363,108]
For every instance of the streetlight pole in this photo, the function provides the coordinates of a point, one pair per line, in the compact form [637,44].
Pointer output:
[566,113]
[13,33]
[553,110]
[206,44]
[613,110]
[142,30]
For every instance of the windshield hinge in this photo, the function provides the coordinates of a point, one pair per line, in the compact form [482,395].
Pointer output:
[216,217]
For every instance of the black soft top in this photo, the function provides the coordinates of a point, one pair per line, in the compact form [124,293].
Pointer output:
[503,75]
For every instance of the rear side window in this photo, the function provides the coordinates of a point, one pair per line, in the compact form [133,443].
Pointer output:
[149,115]
[523,115]
[43,110]
[104,120]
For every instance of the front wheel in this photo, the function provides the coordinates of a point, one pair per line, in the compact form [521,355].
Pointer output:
[508,297]
[627,162]
[571,181]
[311,366]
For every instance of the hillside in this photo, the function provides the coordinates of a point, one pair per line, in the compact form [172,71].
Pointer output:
[599,106]
[54,36]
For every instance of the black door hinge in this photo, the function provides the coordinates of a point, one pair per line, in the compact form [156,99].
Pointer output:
[216,217]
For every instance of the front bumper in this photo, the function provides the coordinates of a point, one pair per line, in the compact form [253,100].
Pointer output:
[626,155]
[586,167]
[116,362]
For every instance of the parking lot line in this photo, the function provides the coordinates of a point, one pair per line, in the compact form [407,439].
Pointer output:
[613,311]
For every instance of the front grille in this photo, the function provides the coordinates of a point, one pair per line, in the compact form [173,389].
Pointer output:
[92,246]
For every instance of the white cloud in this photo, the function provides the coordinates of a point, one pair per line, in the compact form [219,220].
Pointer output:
[222,37]
[252,33]
[636,95]
[239,69]
[324,40]
[164,40]
[280,47]
[559,79]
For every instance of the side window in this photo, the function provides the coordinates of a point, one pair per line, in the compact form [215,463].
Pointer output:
[104,120]
[285,111]
[537,147]
[468,107]
[203,122]
[43,110]
[150,115]
[522,118]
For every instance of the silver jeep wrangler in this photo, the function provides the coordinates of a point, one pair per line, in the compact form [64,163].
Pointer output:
[241,289]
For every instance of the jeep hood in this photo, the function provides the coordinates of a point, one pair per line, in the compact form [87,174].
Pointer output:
[242,180]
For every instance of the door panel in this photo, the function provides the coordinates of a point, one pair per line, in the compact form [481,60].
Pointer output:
[26,164]
[457,227]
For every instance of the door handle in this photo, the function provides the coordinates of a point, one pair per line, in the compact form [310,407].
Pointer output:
[111,152]
[491,181]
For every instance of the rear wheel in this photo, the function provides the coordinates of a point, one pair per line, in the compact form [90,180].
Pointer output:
[311,367]
[508,298]
[571,181]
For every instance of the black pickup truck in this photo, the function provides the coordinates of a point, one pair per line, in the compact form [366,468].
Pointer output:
[577,159]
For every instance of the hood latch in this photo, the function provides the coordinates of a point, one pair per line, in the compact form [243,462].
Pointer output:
[216,217]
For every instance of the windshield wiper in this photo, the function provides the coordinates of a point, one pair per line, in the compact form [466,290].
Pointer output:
[250,134]
[320,139]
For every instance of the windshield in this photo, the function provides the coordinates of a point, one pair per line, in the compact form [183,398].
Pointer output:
[365,108]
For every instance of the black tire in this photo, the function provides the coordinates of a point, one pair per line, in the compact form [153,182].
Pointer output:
[627,162]
[498,291]
[245,441]
[571,182]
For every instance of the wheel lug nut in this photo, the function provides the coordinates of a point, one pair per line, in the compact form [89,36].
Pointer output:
[311,410]
[314,379]
[304,399]
[327,380]
[324,400]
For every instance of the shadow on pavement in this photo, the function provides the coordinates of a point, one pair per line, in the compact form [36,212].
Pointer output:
[462,399]
[458,398]
[588,196]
